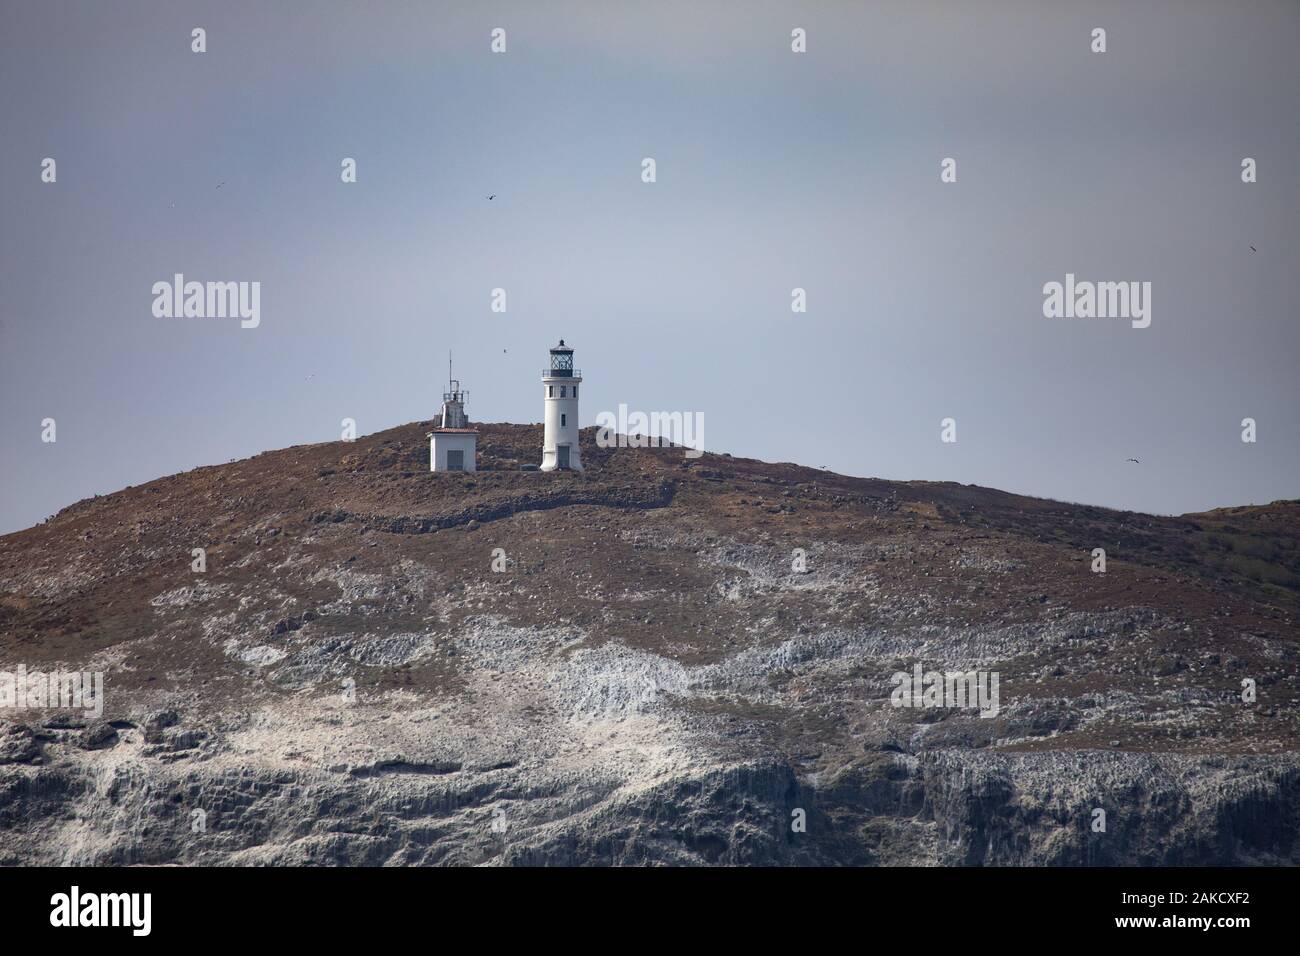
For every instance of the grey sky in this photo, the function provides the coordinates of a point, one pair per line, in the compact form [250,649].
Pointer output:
[775,170]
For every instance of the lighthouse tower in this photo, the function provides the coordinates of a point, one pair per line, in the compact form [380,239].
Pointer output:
[560,390]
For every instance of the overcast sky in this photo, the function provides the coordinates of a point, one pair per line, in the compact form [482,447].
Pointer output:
[775,170]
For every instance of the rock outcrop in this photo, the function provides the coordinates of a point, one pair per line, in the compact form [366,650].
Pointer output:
[661,660]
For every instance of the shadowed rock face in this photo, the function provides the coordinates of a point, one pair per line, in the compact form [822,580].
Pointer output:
[656,676]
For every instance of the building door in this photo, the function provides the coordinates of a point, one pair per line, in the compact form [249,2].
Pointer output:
[563,455]
[456,460]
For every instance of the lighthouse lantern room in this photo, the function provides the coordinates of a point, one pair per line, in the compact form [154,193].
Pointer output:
[560,393]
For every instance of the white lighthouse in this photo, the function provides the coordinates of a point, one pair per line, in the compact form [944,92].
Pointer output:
[560,391]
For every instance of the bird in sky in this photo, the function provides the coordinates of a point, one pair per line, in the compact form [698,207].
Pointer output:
[220,184]
[493,196]
[1134,460]
[1252,248]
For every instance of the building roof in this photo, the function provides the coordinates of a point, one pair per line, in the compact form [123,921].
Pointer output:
[454,431]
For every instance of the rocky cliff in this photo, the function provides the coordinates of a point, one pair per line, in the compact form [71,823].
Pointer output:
[660,660]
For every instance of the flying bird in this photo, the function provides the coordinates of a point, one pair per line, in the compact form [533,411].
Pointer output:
[220,184]
[493,196]
[1134,460]
[1252,248]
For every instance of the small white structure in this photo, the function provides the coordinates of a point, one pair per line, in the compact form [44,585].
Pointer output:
[560,390]
[453,446]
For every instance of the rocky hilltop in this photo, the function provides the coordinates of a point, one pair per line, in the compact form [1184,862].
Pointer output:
[660,660]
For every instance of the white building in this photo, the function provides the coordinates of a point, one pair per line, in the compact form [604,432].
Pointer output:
[560,391]
[453,445]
